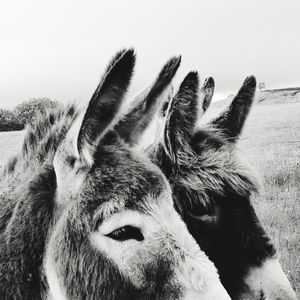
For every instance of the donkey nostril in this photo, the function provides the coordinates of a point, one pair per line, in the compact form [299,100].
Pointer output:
[262,295]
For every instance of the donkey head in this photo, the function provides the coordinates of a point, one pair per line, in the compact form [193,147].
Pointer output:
[212,191]
[116,234]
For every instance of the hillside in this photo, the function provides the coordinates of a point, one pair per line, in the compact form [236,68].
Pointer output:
[289,95]
[266,97]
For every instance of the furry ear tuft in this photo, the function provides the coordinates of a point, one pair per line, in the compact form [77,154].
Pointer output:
[207,92]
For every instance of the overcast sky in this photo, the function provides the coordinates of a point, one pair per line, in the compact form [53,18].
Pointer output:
[59,48]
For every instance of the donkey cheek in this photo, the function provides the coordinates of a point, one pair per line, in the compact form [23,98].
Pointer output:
[129,258]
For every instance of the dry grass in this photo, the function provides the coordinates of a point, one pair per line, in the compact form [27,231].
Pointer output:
[271,142]
[10,143]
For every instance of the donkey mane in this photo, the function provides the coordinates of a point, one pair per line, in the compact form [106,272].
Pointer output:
[42,138]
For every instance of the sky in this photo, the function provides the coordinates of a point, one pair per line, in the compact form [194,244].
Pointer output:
[59,48]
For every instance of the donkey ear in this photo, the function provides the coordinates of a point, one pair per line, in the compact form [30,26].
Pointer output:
[181,118]
[132,125]
[232,120]
[207,92]
[105,102]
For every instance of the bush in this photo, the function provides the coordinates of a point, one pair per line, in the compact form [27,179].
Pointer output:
[27,111]
[10,125]
[8,121]
[6,114]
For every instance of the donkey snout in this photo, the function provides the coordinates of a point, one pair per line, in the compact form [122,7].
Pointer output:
[268,282]
[201,280]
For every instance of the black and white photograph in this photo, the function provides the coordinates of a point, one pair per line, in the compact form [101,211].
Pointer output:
[149,150]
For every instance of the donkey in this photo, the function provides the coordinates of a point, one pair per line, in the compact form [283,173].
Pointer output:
[85,215]
[212,190]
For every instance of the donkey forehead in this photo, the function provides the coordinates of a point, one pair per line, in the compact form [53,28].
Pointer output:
[123,177]
[208,138]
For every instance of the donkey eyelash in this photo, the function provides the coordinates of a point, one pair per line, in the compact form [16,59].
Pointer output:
[126,233]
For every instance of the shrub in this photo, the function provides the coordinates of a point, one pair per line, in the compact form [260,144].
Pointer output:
[27,111]
[8,121]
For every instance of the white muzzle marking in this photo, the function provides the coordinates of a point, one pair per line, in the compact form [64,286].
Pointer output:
[270,280]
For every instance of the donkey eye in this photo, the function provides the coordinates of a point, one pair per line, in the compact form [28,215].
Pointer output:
[126,233]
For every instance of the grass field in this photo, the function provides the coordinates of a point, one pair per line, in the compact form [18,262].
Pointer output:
[271,143]
[10,143]
[271,140]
